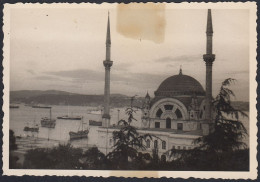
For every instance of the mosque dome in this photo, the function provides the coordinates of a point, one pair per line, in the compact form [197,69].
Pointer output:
[180,85]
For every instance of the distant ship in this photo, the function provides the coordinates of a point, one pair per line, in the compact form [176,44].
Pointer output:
[97,111]
[95,123]
[66,117]
[13,107]
[48,122]
[80,134]
[42,107]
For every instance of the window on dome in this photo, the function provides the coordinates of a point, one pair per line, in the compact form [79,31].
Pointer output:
[148,143]
[163,145]
[168,107]
[155,144]
[178,113]
[159,113]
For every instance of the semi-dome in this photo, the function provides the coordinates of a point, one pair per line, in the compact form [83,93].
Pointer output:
[180,85]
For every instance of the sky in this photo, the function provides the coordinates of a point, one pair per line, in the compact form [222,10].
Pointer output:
[64,48]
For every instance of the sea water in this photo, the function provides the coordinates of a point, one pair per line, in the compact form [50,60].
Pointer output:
[19,118]
[24,115]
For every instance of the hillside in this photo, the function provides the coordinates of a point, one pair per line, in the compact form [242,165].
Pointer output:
[54,97]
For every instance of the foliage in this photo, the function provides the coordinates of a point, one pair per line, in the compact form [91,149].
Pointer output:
[205,160]
[12,147]
[61,157]
[127,143]
[12,141]
[94,159]
[228,130]
[223,148]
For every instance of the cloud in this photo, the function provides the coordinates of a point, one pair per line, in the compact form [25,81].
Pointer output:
[79,74]
[31,72]
[179,59]
[123,66]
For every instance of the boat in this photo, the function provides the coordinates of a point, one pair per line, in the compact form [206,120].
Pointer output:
[13,107]
[48,122]
[42,107]
[80,134]
[66,117]
[95,123]
[33,128]
[97,111]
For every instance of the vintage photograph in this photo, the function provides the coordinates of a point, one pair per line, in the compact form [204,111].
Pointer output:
[130,87]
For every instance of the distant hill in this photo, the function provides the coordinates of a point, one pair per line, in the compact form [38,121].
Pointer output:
[54,97]
[240,105]
[33,93]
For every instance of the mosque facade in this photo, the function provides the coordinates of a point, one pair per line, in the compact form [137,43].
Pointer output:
[180,111]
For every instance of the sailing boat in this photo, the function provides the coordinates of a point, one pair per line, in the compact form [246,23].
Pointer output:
[48,122]
[80,134]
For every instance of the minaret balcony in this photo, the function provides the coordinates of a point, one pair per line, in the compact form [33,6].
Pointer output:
[107,63]
[209,58]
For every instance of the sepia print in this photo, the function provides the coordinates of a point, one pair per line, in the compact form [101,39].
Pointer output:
[133,90]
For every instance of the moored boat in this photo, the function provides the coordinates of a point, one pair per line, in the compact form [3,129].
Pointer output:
[48,122]
[66,117]
[42,107]
[32,129]
[13,107]
[79,134]
[95,123]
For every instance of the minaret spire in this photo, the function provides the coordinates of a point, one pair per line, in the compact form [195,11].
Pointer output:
[108,41]
[107,64]
[209,59]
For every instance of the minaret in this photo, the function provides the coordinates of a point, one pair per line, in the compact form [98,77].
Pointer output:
[107,64]
[209,59]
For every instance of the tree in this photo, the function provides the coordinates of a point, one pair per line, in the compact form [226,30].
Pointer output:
[12,147]
[12,141]
[94,159]
[222,149]
[228,129]
[61,157]
[127,142]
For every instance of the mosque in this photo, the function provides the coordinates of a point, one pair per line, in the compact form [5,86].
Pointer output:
[180,112]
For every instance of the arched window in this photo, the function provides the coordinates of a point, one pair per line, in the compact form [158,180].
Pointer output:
[168,107]
[178,113]
[163,145]
[155,144]
[163,158]
[148,143]
[159,113]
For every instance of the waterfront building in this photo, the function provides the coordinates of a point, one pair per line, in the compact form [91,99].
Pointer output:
[180,112]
